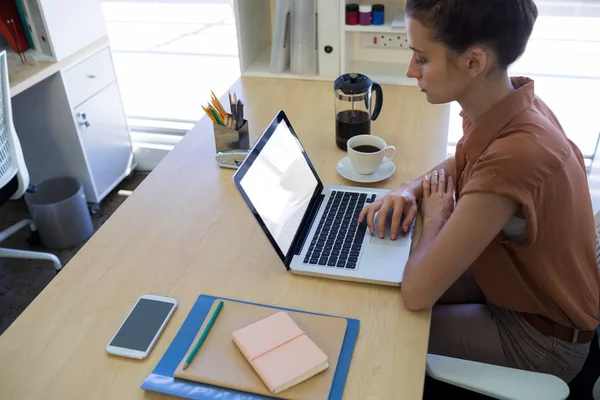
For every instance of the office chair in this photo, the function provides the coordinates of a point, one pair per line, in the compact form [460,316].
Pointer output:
[492,381]
[14,178]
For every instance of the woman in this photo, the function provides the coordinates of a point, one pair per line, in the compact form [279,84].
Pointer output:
[511,267]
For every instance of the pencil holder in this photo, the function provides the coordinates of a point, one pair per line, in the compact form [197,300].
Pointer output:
[227,139]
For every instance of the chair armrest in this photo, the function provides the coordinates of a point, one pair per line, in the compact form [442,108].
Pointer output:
[495,381]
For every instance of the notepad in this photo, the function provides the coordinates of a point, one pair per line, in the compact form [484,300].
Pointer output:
[280,352]
[219,362]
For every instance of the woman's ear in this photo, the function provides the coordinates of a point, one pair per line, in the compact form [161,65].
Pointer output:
[475,60]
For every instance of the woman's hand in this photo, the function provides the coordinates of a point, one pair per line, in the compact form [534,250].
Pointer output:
[403,201]
[438,198]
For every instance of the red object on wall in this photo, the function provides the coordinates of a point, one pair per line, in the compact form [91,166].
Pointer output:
[11,26]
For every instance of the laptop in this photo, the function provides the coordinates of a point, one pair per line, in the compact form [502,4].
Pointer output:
[314,228]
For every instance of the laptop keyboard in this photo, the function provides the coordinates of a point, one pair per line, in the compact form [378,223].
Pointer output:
[338,239]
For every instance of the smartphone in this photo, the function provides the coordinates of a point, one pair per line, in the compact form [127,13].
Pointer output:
[142,327]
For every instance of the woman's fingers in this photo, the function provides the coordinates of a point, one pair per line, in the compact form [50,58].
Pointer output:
[442,182]
[426,187]
[396,218]
[382,216]
[409,217]
[363,213]
[434,182]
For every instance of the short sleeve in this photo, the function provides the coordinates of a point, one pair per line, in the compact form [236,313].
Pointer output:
[510,168]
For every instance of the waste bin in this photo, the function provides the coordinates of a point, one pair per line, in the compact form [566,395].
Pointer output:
[60,213]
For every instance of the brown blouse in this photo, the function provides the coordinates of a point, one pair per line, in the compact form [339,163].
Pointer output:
[518,149]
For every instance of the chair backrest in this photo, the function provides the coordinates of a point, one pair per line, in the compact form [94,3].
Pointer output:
[11,155]
[597,221]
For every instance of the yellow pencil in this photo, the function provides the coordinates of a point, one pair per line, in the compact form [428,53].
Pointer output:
[219,108]
[209,114]
[217,103]
[216,110]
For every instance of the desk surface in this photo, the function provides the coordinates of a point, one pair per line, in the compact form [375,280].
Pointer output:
[185,231]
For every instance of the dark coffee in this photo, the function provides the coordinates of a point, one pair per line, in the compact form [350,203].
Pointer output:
[366,148]
[350,123]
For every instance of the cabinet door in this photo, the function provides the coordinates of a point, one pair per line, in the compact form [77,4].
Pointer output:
[105,138]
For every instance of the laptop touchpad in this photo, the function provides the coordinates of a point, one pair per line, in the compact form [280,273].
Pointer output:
[400,239]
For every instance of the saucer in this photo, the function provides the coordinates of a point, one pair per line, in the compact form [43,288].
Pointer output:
[385,170]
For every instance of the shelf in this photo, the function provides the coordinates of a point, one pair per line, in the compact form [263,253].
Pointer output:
[380,72]
[387,23]
[261,67]
[373,28]
[383,73]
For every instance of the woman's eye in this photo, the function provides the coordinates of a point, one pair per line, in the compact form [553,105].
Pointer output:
[421,61]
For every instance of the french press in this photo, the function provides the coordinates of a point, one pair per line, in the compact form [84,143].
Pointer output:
[353,113]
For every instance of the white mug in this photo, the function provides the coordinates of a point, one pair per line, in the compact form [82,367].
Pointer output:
[366,162]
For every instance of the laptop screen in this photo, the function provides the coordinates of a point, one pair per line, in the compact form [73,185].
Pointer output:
[280,184]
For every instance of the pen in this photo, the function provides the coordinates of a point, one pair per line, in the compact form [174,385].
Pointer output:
[238,113]
[204,334]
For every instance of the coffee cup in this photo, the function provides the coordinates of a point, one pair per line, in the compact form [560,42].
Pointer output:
[366,153]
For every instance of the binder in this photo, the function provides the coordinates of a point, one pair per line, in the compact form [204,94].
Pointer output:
[280,46]
[328,38]
[37,26]
[12,28]
[161,379]
[303,38]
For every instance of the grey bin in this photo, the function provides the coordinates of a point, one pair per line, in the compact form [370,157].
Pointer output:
[60,213]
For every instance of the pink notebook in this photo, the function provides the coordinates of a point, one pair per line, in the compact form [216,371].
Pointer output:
[280,352]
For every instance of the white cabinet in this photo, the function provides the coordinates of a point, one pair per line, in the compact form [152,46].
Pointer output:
[60,28]
[73,124]
[104,137]
[89,77]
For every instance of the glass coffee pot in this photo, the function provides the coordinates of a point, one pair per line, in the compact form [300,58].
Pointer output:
[353,114]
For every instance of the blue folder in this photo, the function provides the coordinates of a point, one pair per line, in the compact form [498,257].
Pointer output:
[161,379]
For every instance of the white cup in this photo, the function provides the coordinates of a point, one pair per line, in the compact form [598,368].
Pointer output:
[364,162]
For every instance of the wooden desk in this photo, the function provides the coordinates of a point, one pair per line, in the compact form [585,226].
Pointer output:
[185,231]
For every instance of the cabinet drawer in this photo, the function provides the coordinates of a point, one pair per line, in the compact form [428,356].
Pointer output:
[89,77]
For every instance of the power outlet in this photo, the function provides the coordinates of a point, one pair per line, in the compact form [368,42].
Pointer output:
[386,40]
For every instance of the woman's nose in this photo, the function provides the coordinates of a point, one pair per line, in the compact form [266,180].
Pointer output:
[412,71]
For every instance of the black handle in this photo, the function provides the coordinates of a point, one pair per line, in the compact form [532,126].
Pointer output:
[378,103]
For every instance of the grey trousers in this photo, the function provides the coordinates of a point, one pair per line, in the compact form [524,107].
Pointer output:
[465,325]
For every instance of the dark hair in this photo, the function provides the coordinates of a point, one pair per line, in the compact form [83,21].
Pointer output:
[503,25]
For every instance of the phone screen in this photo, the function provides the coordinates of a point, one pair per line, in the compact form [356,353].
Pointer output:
[142,324]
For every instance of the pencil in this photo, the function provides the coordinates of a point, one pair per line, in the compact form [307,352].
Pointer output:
[216,116]
[209,114]
[204,334]
[217,103]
